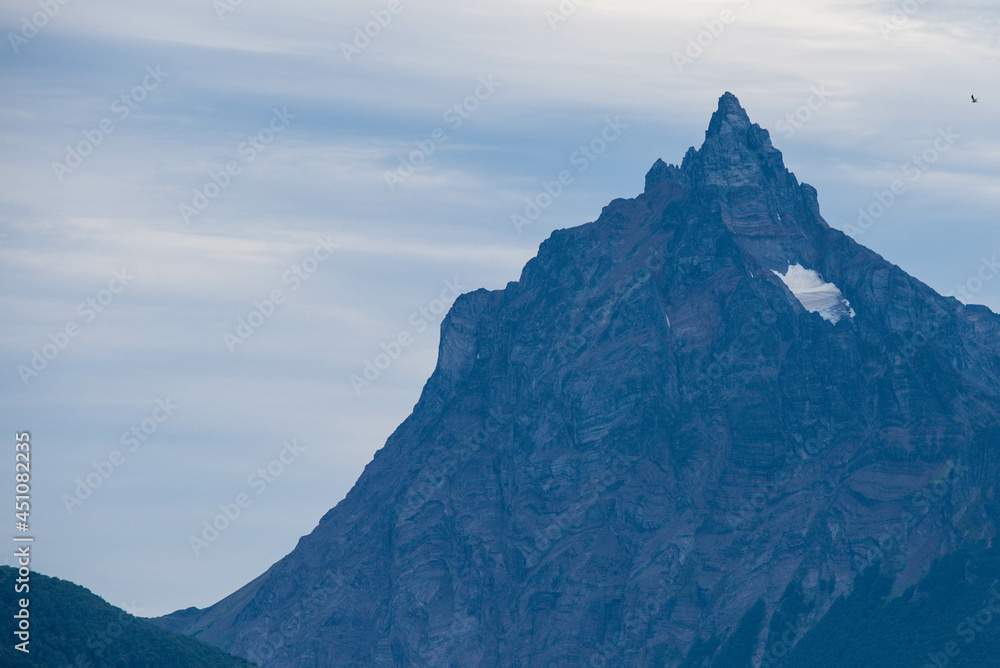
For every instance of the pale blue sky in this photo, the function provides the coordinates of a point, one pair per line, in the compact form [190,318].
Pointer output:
[889,88]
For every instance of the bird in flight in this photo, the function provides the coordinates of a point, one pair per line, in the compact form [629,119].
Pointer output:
[974,100]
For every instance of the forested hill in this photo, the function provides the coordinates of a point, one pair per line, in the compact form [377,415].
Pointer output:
[72,627]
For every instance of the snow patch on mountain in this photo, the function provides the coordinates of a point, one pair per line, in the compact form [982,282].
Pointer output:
[815,294]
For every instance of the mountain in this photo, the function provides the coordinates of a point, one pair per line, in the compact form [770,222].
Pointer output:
[71,627]
[678,439]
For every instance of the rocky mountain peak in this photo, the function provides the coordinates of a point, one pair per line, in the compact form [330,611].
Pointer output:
[729,117]
[736,153]
[772,217]
[706,404]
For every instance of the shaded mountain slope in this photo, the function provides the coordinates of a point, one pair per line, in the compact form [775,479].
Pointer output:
[952,618]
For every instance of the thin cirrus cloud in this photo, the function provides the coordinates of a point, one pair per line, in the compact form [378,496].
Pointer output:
[886,93]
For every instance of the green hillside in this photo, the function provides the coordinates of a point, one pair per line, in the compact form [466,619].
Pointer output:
[72,627]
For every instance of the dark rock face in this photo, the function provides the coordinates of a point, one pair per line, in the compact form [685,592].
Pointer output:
[620,454]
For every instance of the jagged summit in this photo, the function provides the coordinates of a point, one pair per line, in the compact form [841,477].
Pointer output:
[772,216]
[659,172]
[731,154]
[730,116]
[736,153]
[729,129]
[706,402]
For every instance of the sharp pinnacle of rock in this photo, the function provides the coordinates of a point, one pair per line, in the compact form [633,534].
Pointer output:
[689,410]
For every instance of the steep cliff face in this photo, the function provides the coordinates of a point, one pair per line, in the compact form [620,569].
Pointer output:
[667,420]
